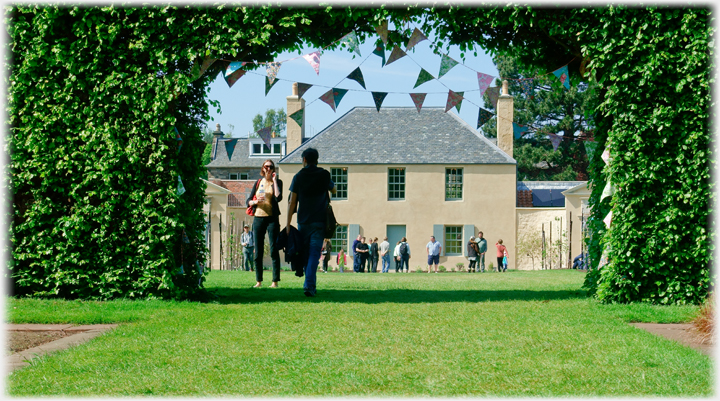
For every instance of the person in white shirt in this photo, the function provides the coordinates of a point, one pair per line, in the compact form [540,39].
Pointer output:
[396,257]
[433,251]
[248,242]
[385,255]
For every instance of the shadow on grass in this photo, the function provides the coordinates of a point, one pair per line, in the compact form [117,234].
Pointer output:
[403,296]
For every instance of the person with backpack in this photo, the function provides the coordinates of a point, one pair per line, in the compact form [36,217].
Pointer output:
[404,252]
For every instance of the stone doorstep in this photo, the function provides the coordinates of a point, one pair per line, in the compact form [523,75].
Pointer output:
[84,333]
[676,332]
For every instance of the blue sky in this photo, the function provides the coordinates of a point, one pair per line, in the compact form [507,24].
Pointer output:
[246,98]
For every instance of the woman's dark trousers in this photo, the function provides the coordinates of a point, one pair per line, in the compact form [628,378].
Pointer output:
[271,225]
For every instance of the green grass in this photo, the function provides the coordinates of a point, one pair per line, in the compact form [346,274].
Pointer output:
[451,334]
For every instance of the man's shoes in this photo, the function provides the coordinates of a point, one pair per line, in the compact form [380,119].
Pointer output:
[309,293]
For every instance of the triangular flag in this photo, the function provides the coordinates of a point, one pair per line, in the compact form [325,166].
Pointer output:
[454,99]
[314,60]
[415,38]
[180,187]
[265,135]
[518,130]
[357,76]
[555,140]
[185,237]
[269,85]
[528,88]
[352,42]
[609,190]
[562,74]
[493,95]
[590,147]
[182,271]
[233,72]
[382,31]
[605,257]
[378,97]
[328,98]
[608,219]
[380,51]
[178,138]
[483,117]
[338,95]
[446,64]
[606,155]
[298,116]
[302,88]
[272,70]
[199,68]
[423,77]
[484,81]
[396,54]
[418,99]
[230,147]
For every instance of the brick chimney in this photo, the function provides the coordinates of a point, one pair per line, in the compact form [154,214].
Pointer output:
[295,133]
[505,109]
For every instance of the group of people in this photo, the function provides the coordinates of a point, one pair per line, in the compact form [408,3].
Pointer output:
[476,249]
[367,256]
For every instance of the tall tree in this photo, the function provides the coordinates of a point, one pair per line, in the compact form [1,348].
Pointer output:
[277,119]
[550,109]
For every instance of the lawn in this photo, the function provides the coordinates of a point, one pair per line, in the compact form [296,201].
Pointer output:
[449,334]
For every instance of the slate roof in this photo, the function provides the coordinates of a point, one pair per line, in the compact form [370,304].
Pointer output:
[240,155]
[544,193]
[401,135]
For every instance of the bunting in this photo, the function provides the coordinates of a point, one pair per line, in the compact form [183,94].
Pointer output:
[446,64]
[269,85]
[454,99]
[314,60]
[327,97]
[519,130]
[606,156]
[265,134]
[590,147]
[338,95]
[484,81]
[562,74]
[178,138]
[423,77]
[199,69]
[527,87]
[555,140]
[382,31]
[302,88]
[230,147]
[608,219]
[609,190]
[182,271]
[352,41]
[298,116]
[396,54]
[380,51]
[493,95]
[272,70]
[233,72]
[483,117]
[415,38]
[357,76]
[378,97]
[418,99]
[180,187]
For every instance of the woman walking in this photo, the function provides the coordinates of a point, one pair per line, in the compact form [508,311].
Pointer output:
[268,191]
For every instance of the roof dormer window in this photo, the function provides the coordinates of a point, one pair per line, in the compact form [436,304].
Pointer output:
[259,149]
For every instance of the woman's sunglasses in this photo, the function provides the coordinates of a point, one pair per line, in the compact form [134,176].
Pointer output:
[269,167]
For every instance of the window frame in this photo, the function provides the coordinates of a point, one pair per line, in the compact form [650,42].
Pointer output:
[230,176]
[453,185]
[337,241]
[399,183]
[342,187]
[447,242]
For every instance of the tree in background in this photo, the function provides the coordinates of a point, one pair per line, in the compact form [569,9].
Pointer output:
[277,119]
[552,109]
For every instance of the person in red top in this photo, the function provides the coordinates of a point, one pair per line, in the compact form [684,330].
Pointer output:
[500,253]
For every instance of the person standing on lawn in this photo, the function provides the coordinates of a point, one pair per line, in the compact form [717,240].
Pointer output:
[472,254]
[396,257]
[404,252]
[309,197]
[482,249]
[433,249]
[374,255]
[500,254]
[385,255]
[325,254]
[268,191]
[362,251]
[247,240]
[356,256]
[341,260]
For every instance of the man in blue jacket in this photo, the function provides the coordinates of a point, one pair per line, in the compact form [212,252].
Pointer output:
[309,197]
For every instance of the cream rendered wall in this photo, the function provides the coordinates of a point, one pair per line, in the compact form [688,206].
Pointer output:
[573,204]
[488,203]
[531,219]
[218,211]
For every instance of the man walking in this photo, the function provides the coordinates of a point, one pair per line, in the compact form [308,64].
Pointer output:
[248,242]
[482,248]
[385,255]
[309,197]
[433,251]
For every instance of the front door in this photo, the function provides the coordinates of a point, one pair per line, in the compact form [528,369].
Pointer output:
[394,234]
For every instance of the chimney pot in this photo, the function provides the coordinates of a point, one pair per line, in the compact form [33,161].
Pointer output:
[505,87]
[295,88]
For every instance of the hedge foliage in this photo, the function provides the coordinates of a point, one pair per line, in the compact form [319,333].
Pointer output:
[652,66]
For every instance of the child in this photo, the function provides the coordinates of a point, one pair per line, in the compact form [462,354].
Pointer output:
[341,260]
[501,251]
[505,255]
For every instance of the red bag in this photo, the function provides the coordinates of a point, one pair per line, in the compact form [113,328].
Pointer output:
[250,211]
